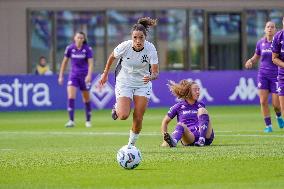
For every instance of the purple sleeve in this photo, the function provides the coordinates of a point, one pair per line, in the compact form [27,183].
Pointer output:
[67,52]
[89,52]
[173,111]
[257,48]
[276,46]
[201,104]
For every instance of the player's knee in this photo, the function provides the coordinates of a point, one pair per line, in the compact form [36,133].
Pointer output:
[122,116]
[202,111]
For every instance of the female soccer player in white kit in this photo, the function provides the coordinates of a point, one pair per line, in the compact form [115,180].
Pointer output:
[137,67]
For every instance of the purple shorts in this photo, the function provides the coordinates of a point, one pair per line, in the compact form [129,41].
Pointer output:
[196,134]
[267,82]
[78,82]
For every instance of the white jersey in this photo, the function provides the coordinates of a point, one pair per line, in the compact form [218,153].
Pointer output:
[134,65]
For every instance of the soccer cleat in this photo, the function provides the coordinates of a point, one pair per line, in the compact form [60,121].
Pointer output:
[113,113]
[88,124]
[70,124]
[268,129]
[169,140]
[280,122]
[200,142]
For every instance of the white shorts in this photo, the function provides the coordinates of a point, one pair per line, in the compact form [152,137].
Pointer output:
[126,91]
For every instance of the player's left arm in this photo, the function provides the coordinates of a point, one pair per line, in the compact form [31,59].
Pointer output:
[154,71]
[276,60]
[88,78]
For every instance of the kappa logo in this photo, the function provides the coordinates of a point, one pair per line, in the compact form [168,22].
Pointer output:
[101,95]
[246,90]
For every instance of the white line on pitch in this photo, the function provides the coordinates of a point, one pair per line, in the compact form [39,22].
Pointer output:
[126,133]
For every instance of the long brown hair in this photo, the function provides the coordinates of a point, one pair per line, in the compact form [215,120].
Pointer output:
[143,24]
[182,90]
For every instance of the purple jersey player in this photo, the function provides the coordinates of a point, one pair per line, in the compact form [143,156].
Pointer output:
[81,56]
[278,59]
[193,123]
[267,76]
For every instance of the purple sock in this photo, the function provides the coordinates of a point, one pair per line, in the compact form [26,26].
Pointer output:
[178,132]
[203,124]
[267,121]
[88,111]
[278,114]
[70,108]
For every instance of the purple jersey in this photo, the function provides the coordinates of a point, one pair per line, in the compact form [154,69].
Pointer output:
[263,49]
[278,47]
[79,58]
[186,113]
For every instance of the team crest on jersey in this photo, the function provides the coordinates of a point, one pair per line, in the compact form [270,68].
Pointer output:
[84,50]
[144,59]
[73,50]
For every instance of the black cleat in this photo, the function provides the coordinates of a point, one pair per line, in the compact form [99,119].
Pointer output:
[113,114]
[169,140]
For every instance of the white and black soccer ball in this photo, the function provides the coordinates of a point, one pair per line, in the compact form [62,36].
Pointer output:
[128,157]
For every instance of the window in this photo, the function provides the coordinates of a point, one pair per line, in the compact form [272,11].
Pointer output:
[40,38]
[91,23]
[196,39]
[224,44]
[172,38]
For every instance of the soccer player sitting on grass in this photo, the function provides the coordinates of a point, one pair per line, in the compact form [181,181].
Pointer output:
[193,123]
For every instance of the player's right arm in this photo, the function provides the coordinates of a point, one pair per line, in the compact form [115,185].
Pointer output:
[165,123]
[104,76]
[253,60]
[62,68]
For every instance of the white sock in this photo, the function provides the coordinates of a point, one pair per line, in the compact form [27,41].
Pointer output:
[132,138]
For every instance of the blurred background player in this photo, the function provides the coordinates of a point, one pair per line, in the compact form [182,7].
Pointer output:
[81,56]
[278,59]
[267,76]
[42,68]
[193,123]
[136,68]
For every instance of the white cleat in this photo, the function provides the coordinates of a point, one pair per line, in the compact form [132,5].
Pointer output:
[70,124]
[88,124]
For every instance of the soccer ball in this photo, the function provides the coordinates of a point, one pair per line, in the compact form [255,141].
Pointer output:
[128,157]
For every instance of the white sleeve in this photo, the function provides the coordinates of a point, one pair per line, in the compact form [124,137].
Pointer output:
[153,55]
[120,49]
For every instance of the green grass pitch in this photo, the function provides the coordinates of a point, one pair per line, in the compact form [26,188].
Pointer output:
[36,151]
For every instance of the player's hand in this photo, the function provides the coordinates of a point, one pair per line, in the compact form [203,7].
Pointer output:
[146,79]
[164,144]
[60,80]
[248,64]
[88,79]
[104,78]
